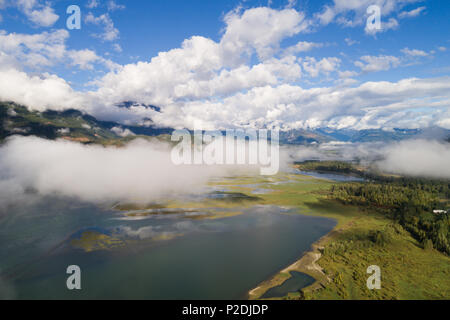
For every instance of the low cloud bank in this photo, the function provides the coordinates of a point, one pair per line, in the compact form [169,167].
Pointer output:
[143,171]
[416,158]
[139,172]
[421,158]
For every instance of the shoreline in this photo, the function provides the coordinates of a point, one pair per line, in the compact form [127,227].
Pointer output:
[306,264]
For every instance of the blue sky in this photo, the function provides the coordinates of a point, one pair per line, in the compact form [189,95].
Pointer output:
[110,60]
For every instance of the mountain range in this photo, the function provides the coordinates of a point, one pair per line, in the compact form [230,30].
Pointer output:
[76,126]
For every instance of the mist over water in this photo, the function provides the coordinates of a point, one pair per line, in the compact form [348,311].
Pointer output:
[416,158]
[143,171]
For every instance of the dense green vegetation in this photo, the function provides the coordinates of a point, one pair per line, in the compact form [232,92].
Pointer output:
[409,201]
[329,166]
[408,271]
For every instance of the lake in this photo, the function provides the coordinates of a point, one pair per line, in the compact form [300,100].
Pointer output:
[165,256]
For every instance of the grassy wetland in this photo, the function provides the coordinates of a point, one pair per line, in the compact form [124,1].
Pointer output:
[338,261]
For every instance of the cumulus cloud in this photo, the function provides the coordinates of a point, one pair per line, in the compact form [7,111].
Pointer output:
[39,13]
[194,71]
[45,49]
[323,66]
[202,84]
[187,100]
[377,63]
[84,58]
[38,92]
[39,49]
[290,106]
[157,82]
[261,30]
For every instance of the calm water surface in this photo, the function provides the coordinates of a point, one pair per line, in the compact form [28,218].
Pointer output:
[208,259]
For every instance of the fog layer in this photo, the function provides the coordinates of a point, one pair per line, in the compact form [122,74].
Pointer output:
[141,171]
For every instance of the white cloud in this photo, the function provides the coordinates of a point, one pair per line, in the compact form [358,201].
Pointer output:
[411,14]
[34,50]
[194,71]
[261,30]
[417,158]
[352,13]
[414,52]
[324,66]
[302,46]
[39,93]
[113,6]
[110,33]
[372,103]
[156,82]
[122,132]
[45,49]
[40,14]
[385,26]
[84,58]
[347,74]
[377,63]
[198,83]
[141,171]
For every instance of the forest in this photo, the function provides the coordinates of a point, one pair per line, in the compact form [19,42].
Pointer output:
[419,205]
